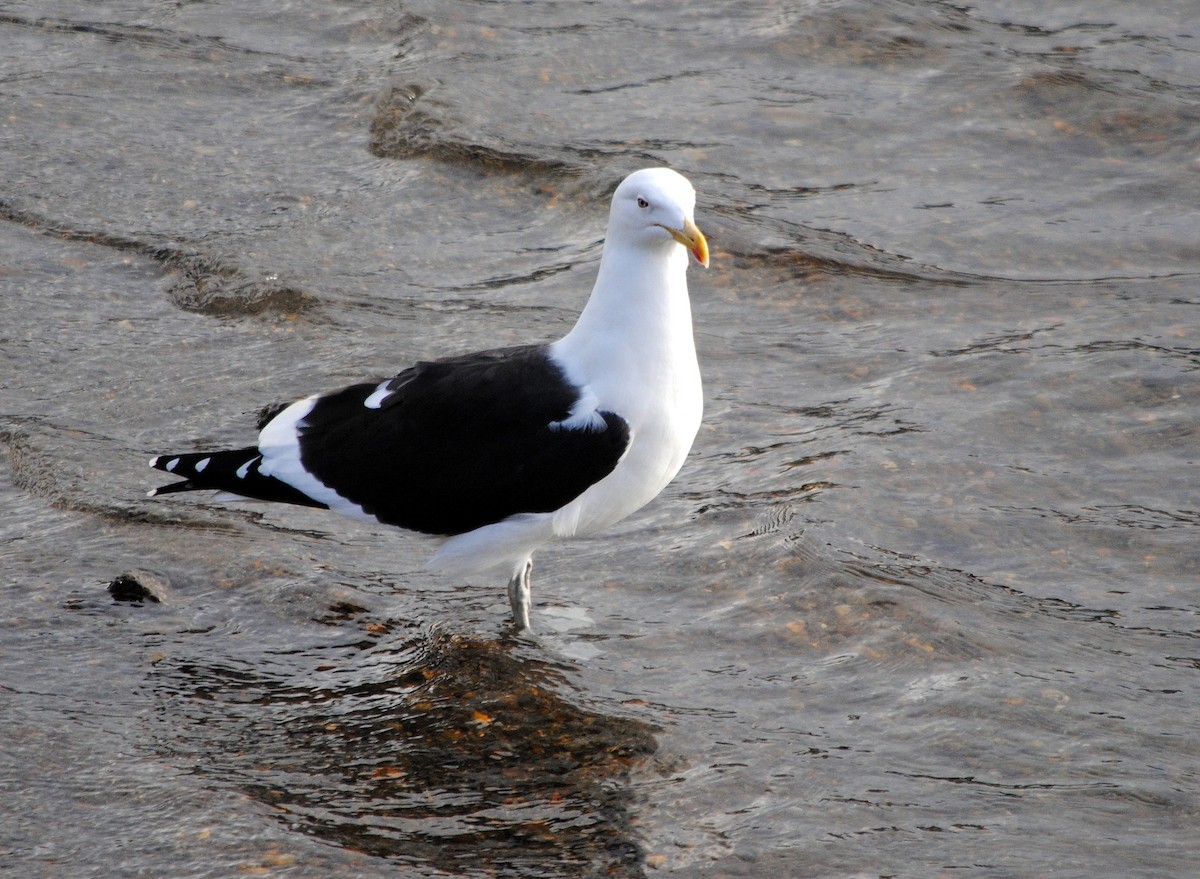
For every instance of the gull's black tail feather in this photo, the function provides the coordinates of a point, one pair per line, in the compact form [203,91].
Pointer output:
[234,471]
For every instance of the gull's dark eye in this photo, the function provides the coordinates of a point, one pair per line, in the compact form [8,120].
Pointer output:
[642,203]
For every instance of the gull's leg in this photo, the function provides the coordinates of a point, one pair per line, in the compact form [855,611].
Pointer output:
[518,596]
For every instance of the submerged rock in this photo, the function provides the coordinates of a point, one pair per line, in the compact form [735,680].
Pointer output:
[139,586]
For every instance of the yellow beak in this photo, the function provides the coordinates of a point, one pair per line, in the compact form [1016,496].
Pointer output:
[693,239]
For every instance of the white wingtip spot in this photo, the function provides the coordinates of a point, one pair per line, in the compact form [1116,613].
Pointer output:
[152,492]
[245,468]
[154,460]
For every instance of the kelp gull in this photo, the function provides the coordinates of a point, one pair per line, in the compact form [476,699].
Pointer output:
[503,451]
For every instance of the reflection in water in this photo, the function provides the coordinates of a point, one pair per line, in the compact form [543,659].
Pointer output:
[461,756]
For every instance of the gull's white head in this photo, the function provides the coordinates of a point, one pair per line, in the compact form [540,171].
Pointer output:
[653,208]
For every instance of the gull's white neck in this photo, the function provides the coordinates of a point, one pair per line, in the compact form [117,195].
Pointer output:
[632,353]
[633,342]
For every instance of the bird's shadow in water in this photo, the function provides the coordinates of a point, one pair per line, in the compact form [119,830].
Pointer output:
[455,752]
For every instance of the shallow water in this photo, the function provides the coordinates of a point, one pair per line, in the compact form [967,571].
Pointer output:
[924,599]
